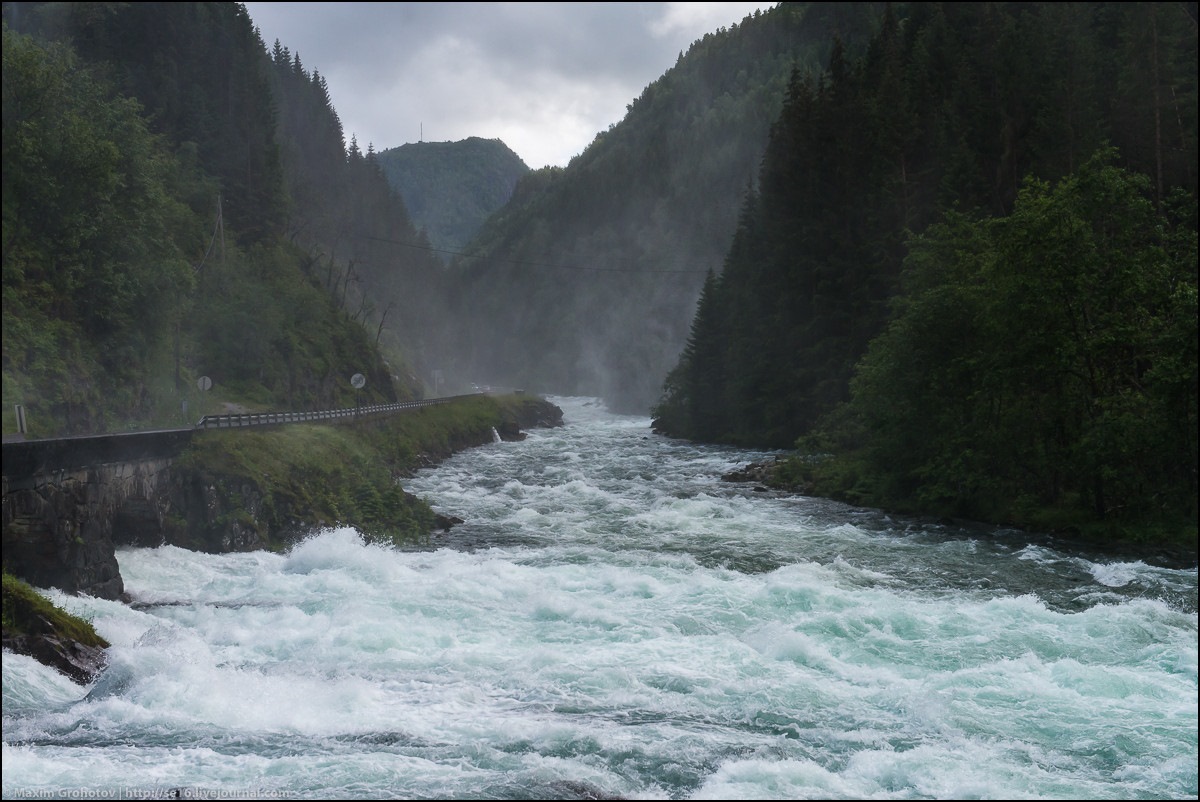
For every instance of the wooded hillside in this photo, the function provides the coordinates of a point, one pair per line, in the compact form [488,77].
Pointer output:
[971,264]
[179,202]
[586,282]
[451,188]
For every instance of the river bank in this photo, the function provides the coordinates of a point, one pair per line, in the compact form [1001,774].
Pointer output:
[612,620]
[796,474]
[243,491]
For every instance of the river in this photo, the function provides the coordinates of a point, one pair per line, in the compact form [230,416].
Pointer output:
[614,621]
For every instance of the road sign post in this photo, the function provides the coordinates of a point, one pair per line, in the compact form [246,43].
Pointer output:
[357,381]
[203,384]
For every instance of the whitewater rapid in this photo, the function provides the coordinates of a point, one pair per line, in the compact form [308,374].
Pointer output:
[613,620]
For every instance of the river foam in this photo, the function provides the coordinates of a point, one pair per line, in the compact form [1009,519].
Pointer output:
[613,620]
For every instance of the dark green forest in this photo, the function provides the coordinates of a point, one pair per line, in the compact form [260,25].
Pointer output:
[179,202]
[968,271]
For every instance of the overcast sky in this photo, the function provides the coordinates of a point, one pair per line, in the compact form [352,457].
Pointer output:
[543,77]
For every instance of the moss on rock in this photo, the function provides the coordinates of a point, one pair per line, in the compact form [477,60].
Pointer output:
[34,626]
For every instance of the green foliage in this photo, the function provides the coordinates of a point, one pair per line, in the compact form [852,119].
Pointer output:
[353,228]
[947,109]
[125,280]
[1030,355]
[198,70]
[265,330]
[94,271]
[348,474]
[27,612]
[1043,364]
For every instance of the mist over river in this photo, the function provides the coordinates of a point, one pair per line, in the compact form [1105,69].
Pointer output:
[614,620]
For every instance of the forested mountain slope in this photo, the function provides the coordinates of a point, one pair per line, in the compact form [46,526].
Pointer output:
[451,188]
[179,202]
[994,209]
[586,281]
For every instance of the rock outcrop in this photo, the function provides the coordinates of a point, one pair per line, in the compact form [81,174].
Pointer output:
[35,627]
[766,475]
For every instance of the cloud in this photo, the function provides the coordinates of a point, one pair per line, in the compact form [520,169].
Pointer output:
[543,77]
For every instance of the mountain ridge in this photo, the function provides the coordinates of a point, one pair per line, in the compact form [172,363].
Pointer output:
[451,188]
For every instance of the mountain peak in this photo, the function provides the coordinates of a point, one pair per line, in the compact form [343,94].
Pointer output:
[451,188]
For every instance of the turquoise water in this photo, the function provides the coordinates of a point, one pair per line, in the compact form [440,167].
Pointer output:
[613,620]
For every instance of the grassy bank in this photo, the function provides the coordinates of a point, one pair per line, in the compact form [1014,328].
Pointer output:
[27,612]
[306,476]
[35,627]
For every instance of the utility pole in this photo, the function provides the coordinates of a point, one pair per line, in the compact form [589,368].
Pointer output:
[221,227]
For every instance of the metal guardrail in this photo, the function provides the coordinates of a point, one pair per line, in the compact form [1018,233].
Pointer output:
[28,458]
[238,420]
